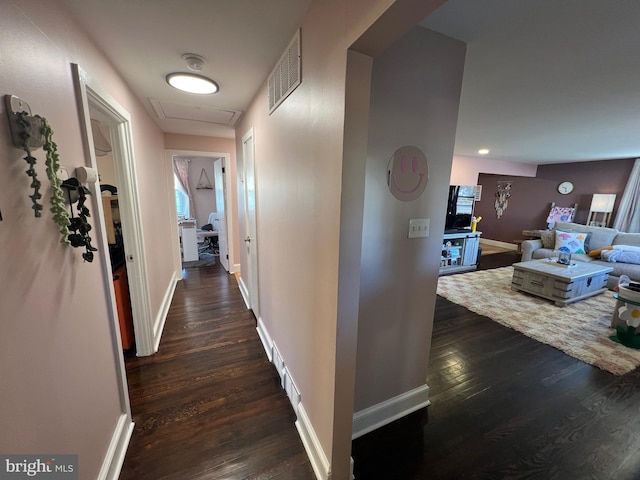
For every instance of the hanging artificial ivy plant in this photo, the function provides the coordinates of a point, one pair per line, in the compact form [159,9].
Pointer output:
[31,160]
[33,132]
[58,208]
[79,225]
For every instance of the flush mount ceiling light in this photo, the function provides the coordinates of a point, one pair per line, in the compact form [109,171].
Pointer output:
[483,151]
[192,83]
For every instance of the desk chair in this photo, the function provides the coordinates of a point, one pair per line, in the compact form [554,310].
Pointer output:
[209,235]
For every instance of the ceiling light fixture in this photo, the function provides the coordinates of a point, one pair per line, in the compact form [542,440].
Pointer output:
[192,83]
[483,151]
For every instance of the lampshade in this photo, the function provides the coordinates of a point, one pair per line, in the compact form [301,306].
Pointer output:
[603,202]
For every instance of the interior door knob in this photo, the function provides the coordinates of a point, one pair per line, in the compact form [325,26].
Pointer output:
[248,239]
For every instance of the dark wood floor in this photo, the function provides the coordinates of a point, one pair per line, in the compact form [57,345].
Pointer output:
[209,405]
[507,407]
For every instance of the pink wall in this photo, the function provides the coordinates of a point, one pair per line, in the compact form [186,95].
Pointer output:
[531,197]
[465,170]
[59,384]
[298,156]
[418,80]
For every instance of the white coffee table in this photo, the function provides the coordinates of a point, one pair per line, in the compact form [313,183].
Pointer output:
[559,283]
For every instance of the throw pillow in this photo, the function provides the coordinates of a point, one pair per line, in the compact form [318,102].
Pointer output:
[548,238]
[572,242]
[598,252]
[627,248]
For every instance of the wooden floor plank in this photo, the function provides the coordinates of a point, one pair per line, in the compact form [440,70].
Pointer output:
[507,407]
[209,404]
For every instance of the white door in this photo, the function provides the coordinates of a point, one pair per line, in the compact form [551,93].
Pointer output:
[221,218]
[250,240]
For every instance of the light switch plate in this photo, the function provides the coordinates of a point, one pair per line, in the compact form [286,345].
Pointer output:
[419,227]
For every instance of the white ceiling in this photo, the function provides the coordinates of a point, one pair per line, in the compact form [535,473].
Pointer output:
[241,40]
[545,80]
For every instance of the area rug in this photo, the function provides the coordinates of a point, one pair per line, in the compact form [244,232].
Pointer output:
[205,259]
[580,330]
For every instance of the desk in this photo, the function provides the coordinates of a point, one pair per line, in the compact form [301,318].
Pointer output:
[189,239]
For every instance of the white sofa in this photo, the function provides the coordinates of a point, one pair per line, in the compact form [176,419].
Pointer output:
[598,238]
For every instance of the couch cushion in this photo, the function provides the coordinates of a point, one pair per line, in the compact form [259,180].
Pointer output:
[628,269]
[632,239]
[541,253]
[600,236]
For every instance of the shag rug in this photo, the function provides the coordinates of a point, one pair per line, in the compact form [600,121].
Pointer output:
[580,330]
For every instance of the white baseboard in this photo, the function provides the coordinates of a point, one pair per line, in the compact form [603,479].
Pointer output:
[265,338]
[244,291]
[305,429]
[164,311]
[235,268]
[383,413]
[317,457]
[497,243]
[114,458]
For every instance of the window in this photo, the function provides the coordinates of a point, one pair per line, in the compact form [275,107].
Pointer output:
[182,199]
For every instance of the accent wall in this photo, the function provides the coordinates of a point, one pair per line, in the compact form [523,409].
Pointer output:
[531,198]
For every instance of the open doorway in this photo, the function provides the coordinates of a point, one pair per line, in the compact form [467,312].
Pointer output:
[115,126]
[109,196]
[202,214]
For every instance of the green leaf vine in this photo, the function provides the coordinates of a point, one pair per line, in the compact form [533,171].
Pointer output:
[74,231]
[58,207]
[79,225]
[31,160]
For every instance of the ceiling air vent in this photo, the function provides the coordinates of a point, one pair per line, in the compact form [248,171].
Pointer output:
[285,77]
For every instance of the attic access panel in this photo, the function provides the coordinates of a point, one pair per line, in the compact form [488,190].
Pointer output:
[168,110]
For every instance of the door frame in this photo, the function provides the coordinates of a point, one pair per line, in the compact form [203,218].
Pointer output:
[93,96]
[225,189]
[252,299]
[90,95]
[169,154]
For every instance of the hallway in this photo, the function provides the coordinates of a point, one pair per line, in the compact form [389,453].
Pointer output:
[209,405]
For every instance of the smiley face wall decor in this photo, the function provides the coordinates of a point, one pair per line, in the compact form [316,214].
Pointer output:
[407,173]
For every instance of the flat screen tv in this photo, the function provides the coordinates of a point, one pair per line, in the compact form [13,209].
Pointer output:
[460,207]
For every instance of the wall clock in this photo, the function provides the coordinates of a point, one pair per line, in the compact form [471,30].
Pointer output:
[565,187]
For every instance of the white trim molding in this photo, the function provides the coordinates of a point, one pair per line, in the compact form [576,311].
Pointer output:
[244,291]
[91,96]
[158,326]
[383,413]
[310,441]
[317,457]
[114,458]
[265,338]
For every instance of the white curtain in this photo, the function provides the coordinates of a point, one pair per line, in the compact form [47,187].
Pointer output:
[628,216]
[181,168]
